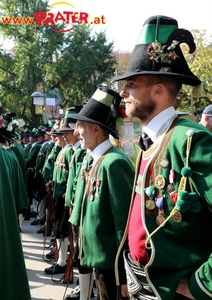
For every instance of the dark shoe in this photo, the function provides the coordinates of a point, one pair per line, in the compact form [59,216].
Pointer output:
[41,230]
[72,297]
[33,214]
[75,294]
[50,255]
[42,222]
[55,269]
[35,222]
[52,239]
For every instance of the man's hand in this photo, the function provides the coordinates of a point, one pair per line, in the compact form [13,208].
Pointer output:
[49,186]
[124,291]
[183,288]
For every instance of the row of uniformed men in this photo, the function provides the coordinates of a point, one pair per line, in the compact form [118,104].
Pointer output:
[92,182]
[49,155]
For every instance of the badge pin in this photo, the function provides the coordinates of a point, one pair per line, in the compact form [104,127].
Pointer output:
[177,217]
[160,219]
[160,182]
[150,204]
[164,163]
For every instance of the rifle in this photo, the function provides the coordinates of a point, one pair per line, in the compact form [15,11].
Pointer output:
[50,212]
[69,274]
[68,277]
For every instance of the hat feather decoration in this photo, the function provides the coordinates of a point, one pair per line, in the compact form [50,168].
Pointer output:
[158,53]
[182,36]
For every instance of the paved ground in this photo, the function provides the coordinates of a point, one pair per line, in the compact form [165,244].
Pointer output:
[41,285]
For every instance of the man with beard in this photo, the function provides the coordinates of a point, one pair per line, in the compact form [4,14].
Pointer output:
[172,196]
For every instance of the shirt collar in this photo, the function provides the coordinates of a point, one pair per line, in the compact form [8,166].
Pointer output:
[33,144]
[66,146]
[44,143]
[160,123]
[101,149]
[76,146]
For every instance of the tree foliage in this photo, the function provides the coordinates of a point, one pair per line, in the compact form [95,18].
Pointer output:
[201,65]
[72,63]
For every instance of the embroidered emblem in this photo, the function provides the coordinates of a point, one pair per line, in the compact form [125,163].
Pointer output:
[160,219]
[177,217]
[164,163]
[139,184]
[160,182]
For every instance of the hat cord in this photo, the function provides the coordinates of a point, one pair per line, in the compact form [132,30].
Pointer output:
[156,39]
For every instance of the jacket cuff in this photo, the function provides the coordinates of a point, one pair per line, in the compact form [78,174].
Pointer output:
[197,289]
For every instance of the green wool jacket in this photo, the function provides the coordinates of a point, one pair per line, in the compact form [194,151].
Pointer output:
[73,176]
[41,159]
[181,249]
[17,180]
[102,213]
[51,145]
[27,149]
[14,282]
[48,167]
[32,156]
[19,152]
[61,169]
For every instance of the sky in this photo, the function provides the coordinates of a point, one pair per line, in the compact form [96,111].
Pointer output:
[124,19]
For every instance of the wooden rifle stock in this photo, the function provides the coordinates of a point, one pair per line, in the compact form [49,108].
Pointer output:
[50,212]
[69,274]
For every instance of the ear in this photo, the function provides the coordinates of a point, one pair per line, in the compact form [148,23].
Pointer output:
[159,89]
[96,128]
[207,118]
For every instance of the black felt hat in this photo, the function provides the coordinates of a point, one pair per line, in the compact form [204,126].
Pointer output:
[64,124]
[26,132]
[102,108]
[40,132]
[157,51]
[6,126]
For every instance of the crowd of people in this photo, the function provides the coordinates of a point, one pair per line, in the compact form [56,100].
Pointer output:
[141,233]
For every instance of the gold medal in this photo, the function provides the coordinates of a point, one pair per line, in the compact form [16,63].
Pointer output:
[150,204]
[160,182]
[160,219]
[164,163]
[177,217]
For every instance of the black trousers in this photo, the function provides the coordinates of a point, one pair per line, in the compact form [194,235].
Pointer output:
[81,269]
[106,284]
[60,227]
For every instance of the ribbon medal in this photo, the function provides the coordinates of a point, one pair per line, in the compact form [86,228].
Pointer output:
[160,182]
[150,192]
